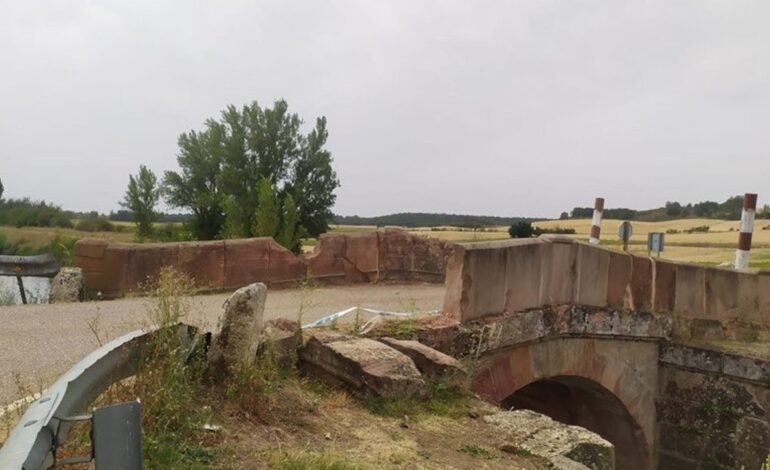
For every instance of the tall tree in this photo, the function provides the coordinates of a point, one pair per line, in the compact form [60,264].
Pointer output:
[266,219]
[291,233]
[235,152]
[141,198]
[196,185]
[1,189]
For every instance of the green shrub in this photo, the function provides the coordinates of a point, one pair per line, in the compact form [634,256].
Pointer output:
[95,224]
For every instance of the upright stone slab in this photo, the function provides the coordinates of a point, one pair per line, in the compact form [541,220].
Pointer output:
[327,262]
[104,266]
[239,329]
[361,257]
[394,254]
[664,287]
[524,263]
[619,280]
[593,266]
[246,261]
[204,262]
[67,285]
[559,271]
[146,261]
[641,283]
[283,266]
[690,280]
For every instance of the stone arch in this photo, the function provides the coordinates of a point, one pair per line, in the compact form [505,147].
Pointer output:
[619,375]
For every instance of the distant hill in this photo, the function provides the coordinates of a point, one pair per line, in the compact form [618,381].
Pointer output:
[425,219]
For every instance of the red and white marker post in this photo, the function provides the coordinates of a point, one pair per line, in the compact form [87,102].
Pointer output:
[747,228]
[596,223]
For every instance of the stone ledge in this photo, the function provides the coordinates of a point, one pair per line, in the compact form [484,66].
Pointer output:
[494,333]
[718,362]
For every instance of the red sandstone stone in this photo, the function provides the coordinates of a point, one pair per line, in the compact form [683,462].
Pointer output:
[327,260]
[394,254]
[524,262]
[246,262]
[664,289]
[429,362]
[146,261]
[204,262]
[90,247]
[559,267]
[593,264]
[690,281]
[361,255]
[283,266]
[641,283]
[618,279]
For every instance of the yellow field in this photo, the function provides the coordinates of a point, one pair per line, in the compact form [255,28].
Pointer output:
[714,247]
[38,237]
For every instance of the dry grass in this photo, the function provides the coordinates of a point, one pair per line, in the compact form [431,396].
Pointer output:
[39,237]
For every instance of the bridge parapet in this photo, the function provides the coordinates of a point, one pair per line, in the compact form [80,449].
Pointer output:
[491,279]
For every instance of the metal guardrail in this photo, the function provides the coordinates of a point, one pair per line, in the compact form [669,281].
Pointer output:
[44,426]
[33,266]
[37,266]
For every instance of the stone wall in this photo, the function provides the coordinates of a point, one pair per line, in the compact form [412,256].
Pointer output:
[713,410]
[486,279]
[115,269]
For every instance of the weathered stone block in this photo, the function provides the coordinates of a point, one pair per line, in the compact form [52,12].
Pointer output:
[524,262]
[431,363]
[364,366]
[455,296]
[559,271]
[67,285]
[429,258]
[146,261]
[283,267]
[619,280]
[239,330]
[484,281]
[281,338]
[553,440]
[664,288]
[90,247]
[394,254]
[593,264]
[204,262]
[246,261]
[641,284]
[327,262]
[689,291]
[360,256]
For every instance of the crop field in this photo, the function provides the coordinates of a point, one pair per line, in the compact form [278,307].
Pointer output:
[715,246]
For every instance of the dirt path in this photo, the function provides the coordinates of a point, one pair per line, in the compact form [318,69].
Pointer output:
[40,342]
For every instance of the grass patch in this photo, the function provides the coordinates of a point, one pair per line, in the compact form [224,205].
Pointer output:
[309,461]
[478,452]
[442,400]
[399,328]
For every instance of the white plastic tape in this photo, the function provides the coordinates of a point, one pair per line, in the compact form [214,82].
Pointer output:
[337,315]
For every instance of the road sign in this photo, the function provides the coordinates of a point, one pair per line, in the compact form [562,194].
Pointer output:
[656,241]
[625,231]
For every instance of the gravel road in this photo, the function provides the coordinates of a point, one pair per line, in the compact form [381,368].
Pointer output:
[40,342]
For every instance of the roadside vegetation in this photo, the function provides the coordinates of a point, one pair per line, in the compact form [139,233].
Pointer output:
[263,415]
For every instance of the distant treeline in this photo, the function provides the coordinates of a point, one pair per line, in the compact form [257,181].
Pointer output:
[128,216]
[728,210]
[423,219]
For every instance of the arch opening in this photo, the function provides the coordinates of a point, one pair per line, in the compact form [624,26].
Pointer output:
[583,402]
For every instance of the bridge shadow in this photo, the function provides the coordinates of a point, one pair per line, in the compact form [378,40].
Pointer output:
[583,402]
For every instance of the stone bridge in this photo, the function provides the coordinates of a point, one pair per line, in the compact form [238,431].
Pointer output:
[667,361]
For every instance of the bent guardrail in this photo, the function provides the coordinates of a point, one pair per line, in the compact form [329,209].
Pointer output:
[44,426]
[34,266]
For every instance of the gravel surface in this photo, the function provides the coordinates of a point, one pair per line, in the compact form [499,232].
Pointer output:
[40,342]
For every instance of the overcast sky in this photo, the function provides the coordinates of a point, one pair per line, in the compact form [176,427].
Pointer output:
[481,107]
